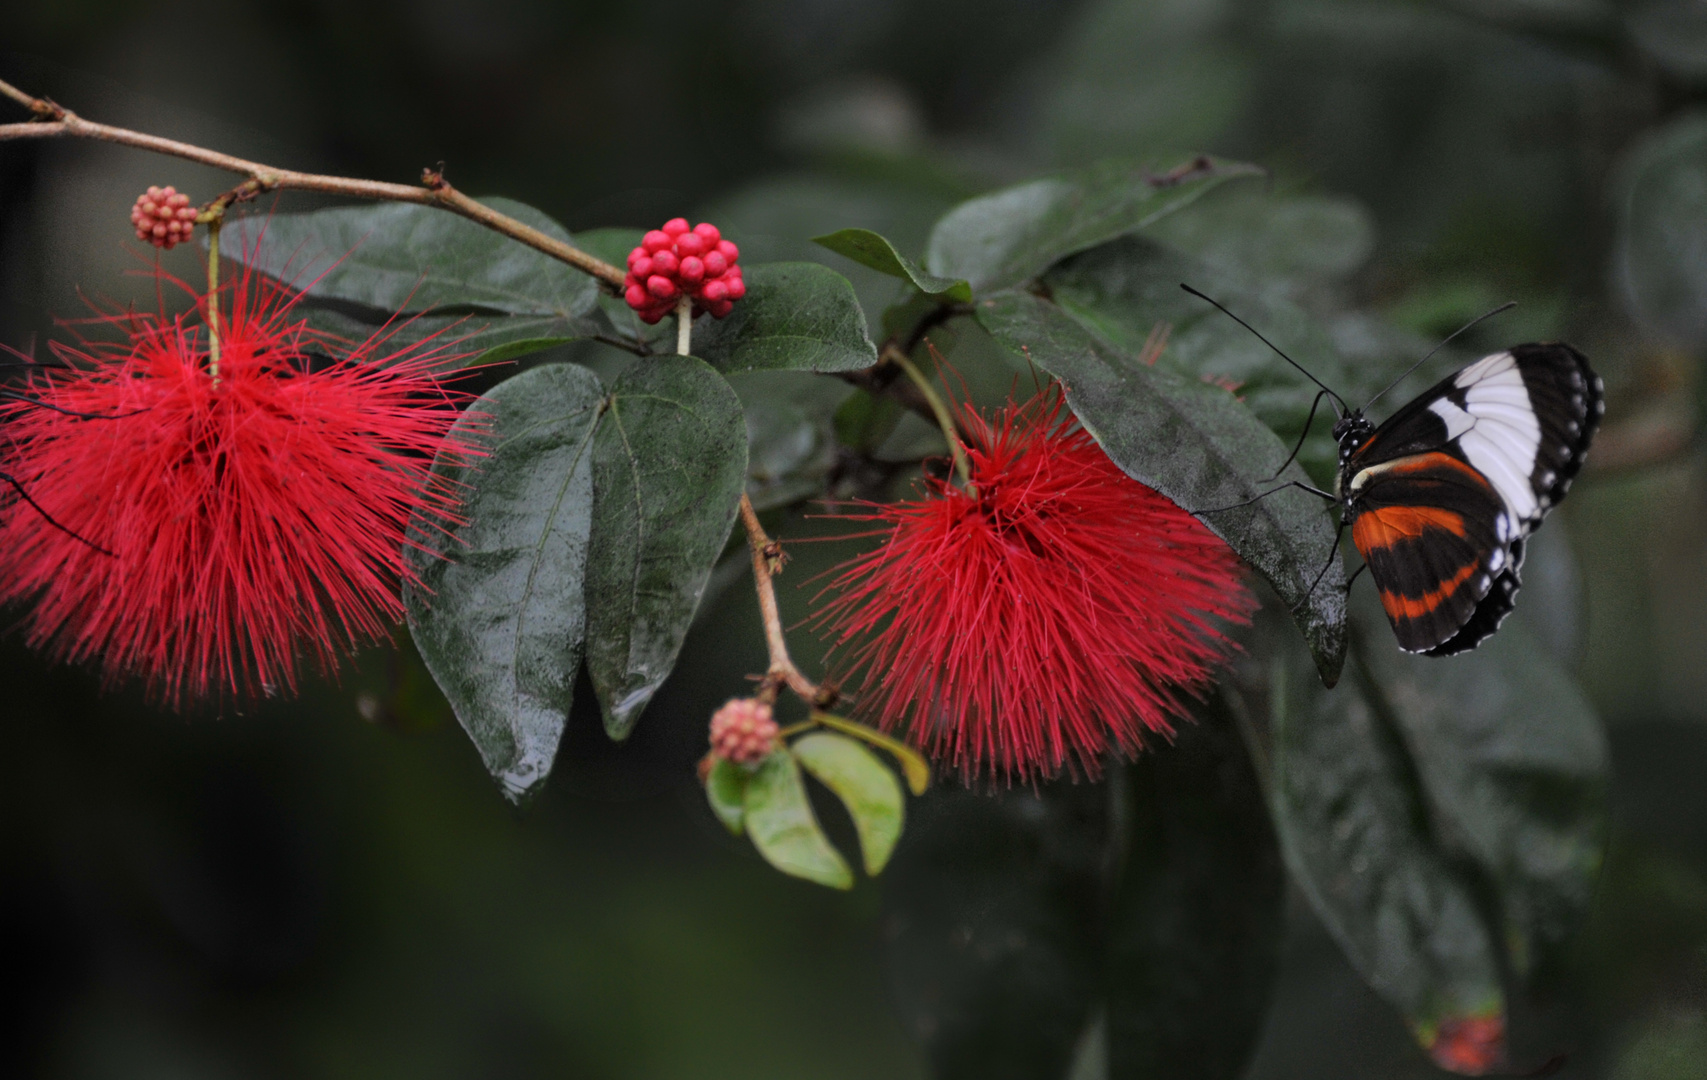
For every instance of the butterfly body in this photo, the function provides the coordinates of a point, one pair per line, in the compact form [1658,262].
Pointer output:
[1441,497]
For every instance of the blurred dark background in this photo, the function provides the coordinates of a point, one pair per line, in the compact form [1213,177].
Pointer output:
[333,887]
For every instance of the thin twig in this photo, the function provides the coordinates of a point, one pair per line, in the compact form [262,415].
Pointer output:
[782,671]
[57,122]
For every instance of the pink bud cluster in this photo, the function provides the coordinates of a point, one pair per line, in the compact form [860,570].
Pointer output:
[676,260]
[742,731]
[163,217]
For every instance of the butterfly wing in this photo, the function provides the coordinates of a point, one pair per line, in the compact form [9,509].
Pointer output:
[1429,528]
[1518,421]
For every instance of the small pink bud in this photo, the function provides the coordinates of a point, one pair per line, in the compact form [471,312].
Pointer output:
[692,270]
[657,240]
[690,244]
[729,250]
[665,262]
[706,231]
[636,255]
[676,227]
[737,288]
[661,287]
[715,264]
[743,731]
[636,296]
[643,267]
[715,290]
[720,308]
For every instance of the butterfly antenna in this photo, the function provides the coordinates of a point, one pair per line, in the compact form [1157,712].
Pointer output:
[1507,306]
[1339,407]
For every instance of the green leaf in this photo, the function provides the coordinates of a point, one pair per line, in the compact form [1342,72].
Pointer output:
[992,907]
[1279,240]
[493,297]
[1660,250]
[913,765]
[791,444]
[1013,235]
[1197,445]
[869,249]
[500,621]
[613,246]
[795,315]
[1195,930]
[784,829]
[1126,289]
[1513,763]
[669,461]
[864,784]
[1354,830]
[726,790]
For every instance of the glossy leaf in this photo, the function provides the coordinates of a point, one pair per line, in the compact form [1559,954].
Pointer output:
[992,925]
[1199,446]
[1126,290]
[392,257]
[795,315]
[870,249]
[1282,241]
[866,787]
[1013,235]
[501,621]
[784,829]
[791,443]
[1513,764]
[1660,252]
[669,462]
[726,791]
[1196,925]
[1354,830]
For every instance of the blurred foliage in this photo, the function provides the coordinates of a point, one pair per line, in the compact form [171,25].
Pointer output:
[287,890]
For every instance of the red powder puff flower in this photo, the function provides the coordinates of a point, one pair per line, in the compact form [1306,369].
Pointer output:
[222,523]
[1061,609]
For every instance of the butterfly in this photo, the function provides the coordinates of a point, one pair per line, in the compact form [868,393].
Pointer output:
[1442,496]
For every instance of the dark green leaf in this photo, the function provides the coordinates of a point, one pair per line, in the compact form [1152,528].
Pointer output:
[501,621]
[992,927]
[870,249]
[396,257]
[1660,257]
[1129,290]
[1281,241]
[864,784]
[1200,447]
[726,790]
[791,444]
[1355,833]
[784,829]
[1513,763]
[795,315]
[486,338]
[669,461]
[1012,235]
[1196,924]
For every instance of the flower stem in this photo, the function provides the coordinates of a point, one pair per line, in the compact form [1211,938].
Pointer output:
[54,121]
[213,299]
[782,671]
[684,324]
[944,418]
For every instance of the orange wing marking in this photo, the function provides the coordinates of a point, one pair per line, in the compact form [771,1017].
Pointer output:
[1403,607]
[1388,525]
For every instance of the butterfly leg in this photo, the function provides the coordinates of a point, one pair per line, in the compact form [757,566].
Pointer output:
[1305,434]
[1299,484]
[8,478]
[1333,553]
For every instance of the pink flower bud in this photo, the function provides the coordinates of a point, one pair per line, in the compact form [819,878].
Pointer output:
[690,244]
[665,262]
[715,264]
[657,240]
[706,231]
[692,270]
[676,227]
[729,250]
[636,296]
[737,288]
[661,287]
[715,290]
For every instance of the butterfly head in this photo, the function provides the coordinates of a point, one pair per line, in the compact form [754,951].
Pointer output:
[1351,432]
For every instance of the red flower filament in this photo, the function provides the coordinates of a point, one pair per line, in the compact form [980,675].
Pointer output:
[247,517]
[1063,609]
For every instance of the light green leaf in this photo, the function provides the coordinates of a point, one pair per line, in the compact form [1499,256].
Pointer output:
[784,829]
[726,790]
[500,621]
[864,784]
